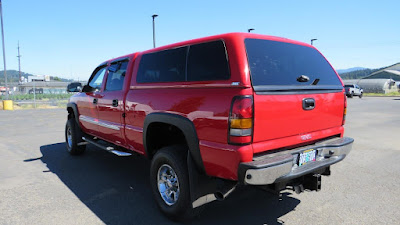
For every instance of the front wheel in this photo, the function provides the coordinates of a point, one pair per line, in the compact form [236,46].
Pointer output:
[169,178]
[73,137]
[360,96]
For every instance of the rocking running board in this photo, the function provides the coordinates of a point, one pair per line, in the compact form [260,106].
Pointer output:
[106,148]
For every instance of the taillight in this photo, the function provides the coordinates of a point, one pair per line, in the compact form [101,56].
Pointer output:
[344,110]
[241,120]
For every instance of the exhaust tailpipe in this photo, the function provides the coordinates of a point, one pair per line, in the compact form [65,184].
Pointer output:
[223,193]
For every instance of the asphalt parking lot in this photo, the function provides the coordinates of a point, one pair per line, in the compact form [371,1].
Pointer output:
[40,183]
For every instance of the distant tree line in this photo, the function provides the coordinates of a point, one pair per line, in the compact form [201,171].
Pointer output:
[13,76]
[358,74]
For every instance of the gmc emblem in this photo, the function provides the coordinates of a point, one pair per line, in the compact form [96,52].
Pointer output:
[305,137]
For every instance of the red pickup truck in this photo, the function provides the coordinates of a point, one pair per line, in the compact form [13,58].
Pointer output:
[216,112]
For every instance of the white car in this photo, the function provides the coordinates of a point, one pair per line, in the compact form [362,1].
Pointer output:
[353,90]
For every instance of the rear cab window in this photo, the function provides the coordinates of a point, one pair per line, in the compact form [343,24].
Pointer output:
[208,61]
[163,66]
[279,66]
[200,62]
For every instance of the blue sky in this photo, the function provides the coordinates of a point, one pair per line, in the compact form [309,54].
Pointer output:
[70,38]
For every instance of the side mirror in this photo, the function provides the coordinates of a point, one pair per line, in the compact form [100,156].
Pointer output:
[87,88]
[74,87]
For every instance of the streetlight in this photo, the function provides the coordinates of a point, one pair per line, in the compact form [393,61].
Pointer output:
[154,31]
[4,51]
[312,40]
[249,30]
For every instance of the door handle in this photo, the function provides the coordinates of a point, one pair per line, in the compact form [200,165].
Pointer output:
[95,101]
[115,102]
[308,103]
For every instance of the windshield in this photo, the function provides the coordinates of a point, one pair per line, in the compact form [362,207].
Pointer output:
[281,64]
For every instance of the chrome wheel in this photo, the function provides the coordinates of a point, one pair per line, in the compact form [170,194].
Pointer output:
[69,137]
[168,184]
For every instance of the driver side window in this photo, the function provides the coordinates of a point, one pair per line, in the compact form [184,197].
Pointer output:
[116,76]
[97,79]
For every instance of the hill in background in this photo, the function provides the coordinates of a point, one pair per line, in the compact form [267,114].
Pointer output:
[12,76]
[357,74]
[340,71]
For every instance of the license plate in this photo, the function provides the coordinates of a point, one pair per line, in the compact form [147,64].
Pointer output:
[307,156]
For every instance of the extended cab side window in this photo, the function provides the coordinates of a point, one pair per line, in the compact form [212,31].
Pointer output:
[208,61]
[116,76]
[164,66]
[97,79]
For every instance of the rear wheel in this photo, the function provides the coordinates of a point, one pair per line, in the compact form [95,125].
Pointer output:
[73,136]
[351,94]
[169,180]
[360,96]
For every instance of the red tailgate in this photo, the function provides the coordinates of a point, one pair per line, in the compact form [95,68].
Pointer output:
[279,116]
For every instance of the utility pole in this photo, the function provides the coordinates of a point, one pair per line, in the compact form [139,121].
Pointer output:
[154,30]
[19,64]
[4,51]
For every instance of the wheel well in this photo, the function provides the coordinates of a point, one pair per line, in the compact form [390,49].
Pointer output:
[160,135]
[70,113]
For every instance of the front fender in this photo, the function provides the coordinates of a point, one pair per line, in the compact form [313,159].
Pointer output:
[74,107]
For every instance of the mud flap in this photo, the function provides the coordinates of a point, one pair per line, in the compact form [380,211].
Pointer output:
[203,187]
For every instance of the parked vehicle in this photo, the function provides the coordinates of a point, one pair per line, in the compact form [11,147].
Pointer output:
[74,87]
[353,90]
[216,112]
[4,90]
[37,91]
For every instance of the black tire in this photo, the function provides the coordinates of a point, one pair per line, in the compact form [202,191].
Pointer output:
[73,132]
[360,96]
[351,94]
[175,157]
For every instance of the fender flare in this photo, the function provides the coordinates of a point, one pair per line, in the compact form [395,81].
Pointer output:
[74,108]
[185,125]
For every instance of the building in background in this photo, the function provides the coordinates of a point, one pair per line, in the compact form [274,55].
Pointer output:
[43,87]
[382,81]
[383,86]
[38,78]
[391,72]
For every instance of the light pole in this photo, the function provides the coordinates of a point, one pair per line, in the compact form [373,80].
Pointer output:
[4,51]
[154,31]
[249,30]
[312,40]
[19,64]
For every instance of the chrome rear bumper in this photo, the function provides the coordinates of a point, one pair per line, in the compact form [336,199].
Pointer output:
[282,166]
